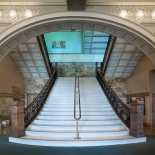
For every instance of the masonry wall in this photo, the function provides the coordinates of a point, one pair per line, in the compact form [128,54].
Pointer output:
[142,83]
[139,81]
[9,77]
[72,69]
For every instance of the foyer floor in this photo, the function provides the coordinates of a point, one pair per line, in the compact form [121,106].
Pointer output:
[7,148]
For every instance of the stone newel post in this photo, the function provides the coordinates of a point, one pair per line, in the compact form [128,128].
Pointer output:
[17,114]
[136,117]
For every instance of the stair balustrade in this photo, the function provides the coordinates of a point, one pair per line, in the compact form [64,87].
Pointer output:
[32,110]
[122,110]
[130,114]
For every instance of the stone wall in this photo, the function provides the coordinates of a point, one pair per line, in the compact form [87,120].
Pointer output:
[141,84]
[5,107]
[72,69]
[9,77]
[139,81]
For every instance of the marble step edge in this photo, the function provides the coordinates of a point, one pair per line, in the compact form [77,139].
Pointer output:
[76,143]
[64,134]
[71,129]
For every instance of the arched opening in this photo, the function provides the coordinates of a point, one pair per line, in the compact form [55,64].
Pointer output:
[36,26]
[118,27]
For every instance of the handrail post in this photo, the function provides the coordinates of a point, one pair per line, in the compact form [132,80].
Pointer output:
[77,118]
[17,114]
[136,117]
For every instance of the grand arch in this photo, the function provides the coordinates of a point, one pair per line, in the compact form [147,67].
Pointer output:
[116,26]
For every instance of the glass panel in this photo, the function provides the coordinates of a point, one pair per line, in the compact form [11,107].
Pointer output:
[63,42]
[100,39]
[76,46]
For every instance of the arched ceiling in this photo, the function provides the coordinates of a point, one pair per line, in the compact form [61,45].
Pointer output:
[28,58]
[123,60]
[122,63]
[131,32]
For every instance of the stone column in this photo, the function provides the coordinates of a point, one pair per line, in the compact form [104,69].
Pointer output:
[17,115]
[137,117]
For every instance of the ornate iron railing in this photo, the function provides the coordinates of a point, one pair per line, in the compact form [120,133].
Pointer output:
[122,110]
[32,110]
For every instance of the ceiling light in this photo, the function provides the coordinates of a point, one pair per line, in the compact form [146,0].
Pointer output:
[13,13]
[153,15]
[28,13]
[0,13]
[123,13]
[140,14]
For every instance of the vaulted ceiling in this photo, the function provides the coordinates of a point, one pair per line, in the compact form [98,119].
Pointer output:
[122,63]
[123,60]
[29,59]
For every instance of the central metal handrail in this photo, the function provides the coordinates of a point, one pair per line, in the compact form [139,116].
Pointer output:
[77,102]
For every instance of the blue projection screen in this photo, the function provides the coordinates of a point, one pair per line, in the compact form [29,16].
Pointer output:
[63,42]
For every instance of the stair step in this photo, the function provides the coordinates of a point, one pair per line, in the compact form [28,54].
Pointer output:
[30,140]
[59,105]
[103,135]
[72,128]
[72,112]
[72,122]
[72,135]
[91,117]
[53,135]
[56,119]
[71,108]
[40,117]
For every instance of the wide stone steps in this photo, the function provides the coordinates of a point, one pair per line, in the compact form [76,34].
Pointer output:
[55,124]
[71,113]
[82,108]
[71,135]
[73,128]
[84,117]
[72,122]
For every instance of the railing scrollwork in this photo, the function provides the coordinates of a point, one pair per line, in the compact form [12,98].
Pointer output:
[32,110]
[122,110]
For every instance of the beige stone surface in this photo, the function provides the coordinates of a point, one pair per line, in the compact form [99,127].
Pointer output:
[10,76]
[5,103]
[139,82]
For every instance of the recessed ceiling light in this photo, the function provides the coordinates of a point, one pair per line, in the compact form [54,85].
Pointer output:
[153,15]
[28,13]
[140,14]
[0,13]
[13,13]
[123,13]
